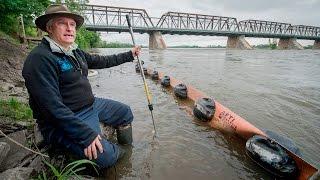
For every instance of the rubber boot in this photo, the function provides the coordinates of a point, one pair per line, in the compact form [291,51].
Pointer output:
[124,134]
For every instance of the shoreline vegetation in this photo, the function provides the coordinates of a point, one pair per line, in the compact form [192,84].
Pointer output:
[15,110]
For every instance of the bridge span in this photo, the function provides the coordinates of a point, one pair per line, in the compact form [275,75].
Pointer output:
[112,19]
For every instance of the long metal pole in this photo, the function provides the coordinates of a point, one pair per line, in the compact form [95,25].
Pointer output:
[143,77]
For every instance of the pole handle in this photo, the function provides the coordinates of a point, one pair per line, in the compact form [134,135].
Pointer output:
[130,30]
[128,20]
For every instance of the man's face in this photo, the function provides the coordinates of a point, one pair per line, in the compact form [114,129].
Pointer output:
[63,31]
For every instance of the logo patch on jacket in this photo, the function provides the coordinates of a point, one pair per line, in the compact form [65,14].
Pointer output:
[64,64]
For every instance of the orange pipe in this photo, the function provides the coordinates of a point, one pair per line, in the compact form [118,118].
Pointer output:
[226,120]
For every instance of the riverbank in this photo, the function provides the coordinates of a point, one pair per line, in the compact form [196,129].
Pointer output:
[15,115]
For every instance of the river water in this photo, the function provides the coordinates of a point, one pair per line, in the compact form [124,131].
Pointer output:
[272,89]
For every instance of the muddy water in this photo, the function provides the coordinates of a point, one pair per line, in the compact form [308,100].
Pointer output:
[276,90]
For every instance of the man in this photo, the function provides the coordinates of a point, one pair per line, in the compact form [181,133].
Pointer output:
[61,98]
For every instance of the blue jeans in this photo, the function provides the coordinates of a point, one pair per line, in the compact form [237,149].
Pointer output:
[109,112]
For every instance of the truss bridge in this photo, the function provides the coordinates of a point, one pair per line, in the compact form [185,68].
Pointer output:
[112,19]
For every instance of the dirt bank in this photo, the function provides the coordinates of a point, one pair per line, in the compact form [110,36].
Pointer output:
[12,57]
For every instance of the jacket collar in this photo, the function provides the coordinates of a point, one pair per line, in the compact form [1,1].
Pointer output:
[55,47]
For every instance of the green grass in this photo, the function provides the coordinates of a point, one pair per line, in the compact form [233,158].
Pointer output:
[16,110]
[72,169]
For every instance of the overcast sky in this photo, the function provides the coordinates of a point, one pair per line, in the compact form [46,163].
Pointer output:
[305,12]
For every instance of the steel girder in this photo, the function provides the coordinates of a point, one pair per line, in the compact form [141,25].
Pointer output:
[109,16]
[257,26]
[189,21]
[302,30]
[278,28]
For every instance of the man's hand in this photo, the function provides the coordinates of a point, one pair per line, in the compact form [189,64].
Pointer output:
[136,51]
[91,150]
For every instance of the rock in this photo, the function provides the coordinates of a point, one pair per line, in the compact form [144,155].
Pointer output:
[11,61]
[20,83]
[4,149]
[58,159]
[16,91]
[23,123]
[38,138]
[92,73]
[37,164]
[16,153]
[27,160]
[8,127]
[6,86]
[9,90]
[19,173]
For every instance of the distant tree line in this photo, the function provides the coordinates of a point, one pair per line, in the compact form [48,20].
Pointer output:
[265,46]
[196,46]
[105,44]
[274,46]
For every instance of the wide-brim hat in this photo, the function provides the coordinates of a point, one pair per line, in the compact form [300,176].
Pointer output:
[57,10]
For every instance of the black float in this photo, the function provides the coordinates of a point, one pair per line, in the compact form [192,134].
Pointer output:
[155,75]
[137,68]
[181,91]
[145,71]
[204,109]
[271,156]
[165,81]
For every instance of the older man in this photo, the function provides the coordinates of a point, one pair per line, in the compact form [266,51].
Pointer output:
[61,98]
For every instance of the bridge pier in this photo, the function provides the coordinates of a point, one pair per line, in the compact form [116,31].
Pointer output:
[316,44]
[238,42]
[289,43]
[156,41]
